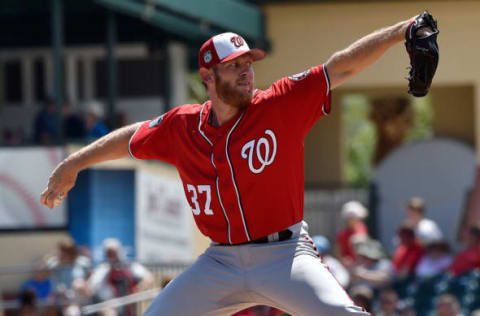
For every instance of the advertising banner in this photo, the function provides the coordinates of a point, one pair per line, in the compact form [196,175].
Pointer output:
[163,220]
[24,174]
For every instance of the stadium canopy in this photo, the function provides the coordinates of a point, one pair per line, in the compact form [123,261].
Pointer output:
[193,18]
[29,23]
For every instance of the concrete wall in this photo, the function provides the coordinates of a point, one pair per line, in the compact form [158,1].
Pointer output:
[307,34]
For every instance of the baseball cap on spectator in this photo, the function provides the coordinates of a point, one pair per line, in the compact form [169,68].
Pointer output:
[354,209]
[95,108]
[113,244]
[224,47]
[361,290]
[371,249]
[416,203]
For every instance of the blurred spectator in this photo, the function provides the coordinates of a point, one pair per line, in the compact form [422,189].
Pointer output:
[28,304]
[72,310]
[436,260]
[336,267]
[447,305]
[39,283]
[469,258]
[353,213]
[95,126]
[73,124]
[362,296]
[408,253]
[46,124]
[117,277]
[387,303]
[371,267]
[426,230]
[69,270]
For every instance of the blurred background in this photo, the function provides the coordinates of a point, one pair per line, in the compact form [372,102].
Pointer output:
[408,243]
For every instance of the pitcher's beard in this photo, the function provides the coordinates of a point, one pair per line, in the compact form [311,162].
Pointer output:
[230,96]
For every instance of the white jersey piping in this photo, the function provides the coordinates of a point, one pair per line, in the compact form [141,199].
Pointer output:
[327,79]
[200,124]
[233,177]
[221,203]
[216,179]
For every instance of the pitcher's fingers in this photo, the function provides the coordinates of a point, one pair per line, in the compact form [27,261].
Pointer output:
[44,195]
[50,201]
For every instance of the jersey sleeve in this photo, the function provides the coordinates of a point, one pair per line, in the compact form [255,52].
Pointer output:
[153,139]
[303,98]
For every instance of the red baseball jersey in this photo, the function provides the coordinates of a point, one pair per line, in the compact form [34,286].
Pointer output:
[245,179]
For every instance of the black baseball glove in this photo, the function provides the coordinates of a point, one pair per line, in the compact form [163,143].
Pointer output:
[422,48]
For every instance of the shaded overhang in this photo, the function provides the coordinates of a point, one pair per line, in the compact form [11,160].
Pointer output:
[26,23]
[196,20]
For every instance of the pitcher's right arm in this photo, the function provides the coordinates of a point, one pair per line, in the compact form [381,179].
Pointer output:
[111,146]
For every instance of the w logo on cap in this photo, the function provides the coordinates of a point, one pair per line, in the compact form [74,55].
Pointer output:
[237,41]
[224,47]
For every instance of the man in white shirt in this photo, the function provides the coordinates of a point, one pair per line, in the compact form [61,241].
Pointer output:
[118,277]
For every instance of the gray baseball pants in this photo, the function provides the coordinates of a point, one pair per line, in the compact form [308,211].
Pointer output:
[287,275]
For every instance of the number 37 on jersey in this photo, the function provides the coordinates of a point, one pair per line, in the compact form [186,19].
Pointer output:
[195,191]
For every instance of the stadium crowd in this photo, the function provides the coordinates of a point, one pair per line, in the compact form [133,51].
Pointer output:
[66,280]
[78,126]
[423,276]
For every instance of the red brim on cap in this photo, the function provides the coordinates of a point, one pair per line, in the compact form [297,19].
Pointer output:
[257,54]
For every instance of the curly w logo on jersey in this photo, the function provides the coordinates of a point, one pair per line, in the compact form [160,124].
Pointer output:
[265,157]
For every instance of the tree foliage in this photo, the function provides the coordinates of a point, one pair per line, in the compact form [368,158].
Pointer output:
[360,136]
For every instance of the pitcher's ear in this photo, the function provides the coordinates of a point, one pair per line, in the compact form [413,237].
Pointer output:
[206,75]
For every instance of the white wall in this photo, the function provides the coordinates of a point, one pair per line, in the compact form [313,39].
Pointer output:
[441,171]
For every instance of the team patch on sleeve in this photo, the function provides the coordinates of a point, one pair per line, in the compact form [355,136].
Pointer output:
[156,121]
[299,76]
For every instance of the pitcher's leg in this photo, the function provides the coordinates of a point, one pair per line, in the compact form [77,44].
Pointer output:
[303,286]
[207,287]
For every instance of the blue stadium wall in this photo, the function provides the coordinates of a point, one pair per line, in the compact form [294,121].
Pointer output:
[102,205]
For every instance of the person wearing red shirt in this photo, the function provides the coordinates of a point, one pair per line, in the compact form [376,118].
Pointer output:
[408,253]
[240,157]
[469,258]
[355,230]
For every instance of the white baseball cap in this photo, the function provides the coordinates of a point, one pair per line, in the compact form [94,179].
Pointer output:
[224,47]
[354,209]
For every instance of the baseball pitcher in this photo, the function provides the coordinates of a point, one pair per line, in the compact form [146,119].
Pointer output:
[240,156]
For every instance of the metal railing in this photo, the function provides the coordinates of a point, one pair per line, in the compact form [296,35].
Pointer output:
[162,274]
